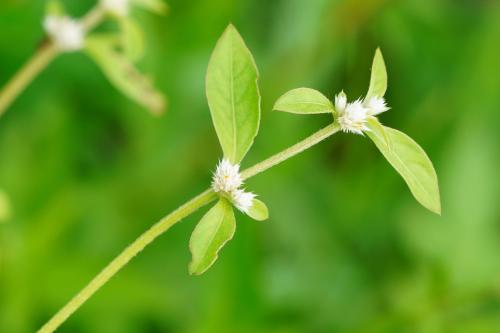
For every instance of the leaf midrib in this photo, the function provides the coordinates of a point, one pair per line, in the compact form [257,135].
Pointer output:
[233,108]
[212,237]
[409,171]
[305,102]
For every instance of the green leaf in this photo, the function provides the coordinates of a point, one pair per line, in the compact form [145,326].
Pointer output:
[410,160]
[304,101]
[123,75]
[132,38]
[214,230]
[378,81]
[233,94]
[258,211]
[157,6]
[4,207]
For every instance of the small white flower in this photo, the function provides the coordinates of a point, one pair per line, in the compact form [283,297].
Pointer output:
[65,32]
[340,102]
[117,7]
[226,177]
[376,105]
[227,182]
[353,118]
[242,200]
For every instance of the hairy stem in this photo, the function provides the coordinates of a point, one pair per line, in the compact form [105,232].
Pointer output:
[164,224]
[290,152]
[39,61]
[123,258]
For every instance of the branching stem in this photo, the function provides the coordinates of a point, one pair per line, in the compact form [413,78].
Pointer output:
[165,223]
[39,61]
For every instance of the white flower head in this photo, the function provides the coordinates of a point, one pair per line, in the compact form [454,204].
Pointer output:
[117,7]
[353,118]
[227,182]
[376,105]
[226,177]
[242,200]
[340,102]
[67,33]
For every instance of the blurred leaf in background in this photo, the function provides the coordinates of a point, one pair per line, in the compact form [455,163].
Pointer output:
[87,172]
[5,210]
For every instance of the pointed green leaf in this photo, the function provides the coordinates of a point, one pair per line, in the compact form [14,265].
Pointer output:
[258,211]
[378,81]
[214,230]
[157,6]
[132,38]
[123,75]
[410,161]
[233,94]
[4,207]
[304,101]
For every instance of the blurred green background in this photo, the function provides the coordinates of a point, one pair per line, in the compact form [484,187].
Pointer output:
[347,248]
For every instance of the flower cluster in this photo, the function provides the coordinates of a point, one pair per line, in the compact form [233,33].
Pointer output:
[227,181]
[116,7]
[352,117]
[67,33]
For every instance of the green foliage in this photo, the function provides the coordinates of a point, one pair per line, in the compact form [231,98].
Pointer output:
[123,75]
[404,154]
[378,80]
[304,101]
[234,101]
[157,6]
[410,160]
[103,174]
[258,211]
[132,38]
[233,94]
[214,230]
[5,210]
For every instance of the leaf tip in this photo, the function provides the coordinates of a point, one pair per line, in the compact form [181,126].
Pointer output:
[193,271]
[258,211]
[436,209]
[231,29]
[276,106]
[378,55]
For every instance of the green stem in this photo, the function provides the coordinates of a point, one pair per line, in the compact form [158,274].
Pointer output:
[39,61]
[92,18]
[164,224]
[26,74]
[121,260]
[290,152]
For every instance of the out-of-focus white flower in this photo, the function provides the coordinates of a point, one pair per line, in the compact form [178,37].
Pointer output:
[226,177]
[67,33]
[376,105]
[242,200]
[117,7]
